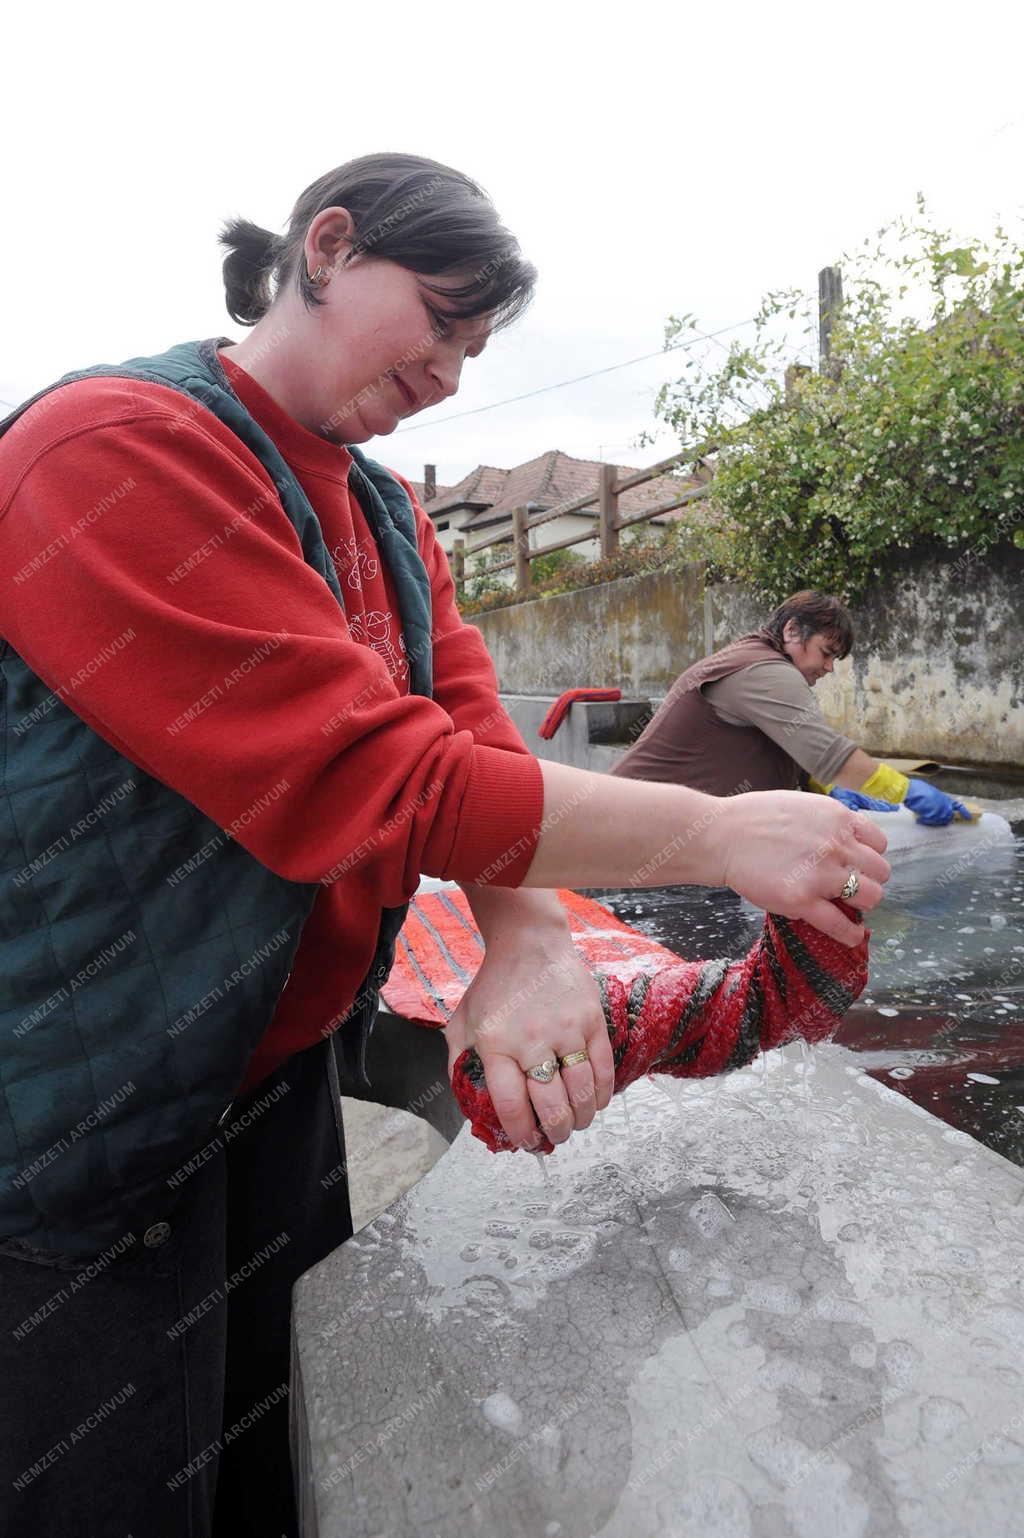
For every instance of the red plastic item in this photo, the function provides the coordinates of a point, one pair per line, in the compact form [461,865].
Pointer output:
[560,709]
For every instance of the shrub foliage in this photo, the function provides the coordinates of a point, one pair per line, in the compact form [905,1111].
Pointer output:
[915,436]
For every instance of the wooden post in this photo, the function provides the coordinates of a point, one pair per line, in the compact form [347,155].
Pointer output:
[459,562]
[608,510]
[521,546]
[830,299]
[794,373]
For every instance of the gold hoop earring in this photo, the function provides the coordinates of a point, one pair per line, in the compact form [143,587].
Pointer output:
[321,276]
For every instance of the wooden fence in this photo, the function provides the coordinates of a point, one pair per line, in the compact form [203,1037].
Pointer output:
[610,522]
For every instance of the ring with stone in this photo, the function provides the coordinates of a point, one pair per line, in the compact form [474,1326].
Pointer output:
[572,1058]
[851,886]
[543,1072]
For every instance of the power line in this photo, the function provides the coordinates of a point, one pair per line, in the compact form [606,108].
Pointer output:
[512,399]
[707,336]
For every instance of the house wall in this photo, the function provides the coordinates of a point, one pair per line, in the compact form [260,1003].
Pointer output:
[455,520]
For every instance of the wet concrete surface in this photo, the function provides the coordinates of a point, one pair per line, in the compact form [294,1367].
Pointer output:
[778,1304]
[773,1305]
[388,1151]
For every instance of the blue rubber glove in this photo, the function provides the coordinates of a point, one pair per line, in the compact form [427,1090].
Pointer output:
[858,802]
[932,806]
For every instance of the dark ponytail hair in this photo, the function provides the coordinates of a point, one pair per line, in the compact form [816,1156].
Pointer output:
[422,215]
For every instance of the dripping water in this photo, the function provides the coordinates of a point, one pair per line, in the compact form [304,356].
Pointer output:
[805,1090]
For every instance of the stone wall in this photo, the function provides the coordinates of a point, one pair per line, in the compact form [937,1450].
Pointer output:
[937,670]
[636,634]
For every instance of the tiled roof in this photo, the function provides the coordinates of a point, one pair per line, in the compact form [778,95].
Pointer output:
[480,488]
[549,479]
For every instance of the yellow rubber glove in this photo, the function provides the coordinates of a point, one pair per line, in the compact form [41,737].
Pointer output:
[886,784]
[817,787]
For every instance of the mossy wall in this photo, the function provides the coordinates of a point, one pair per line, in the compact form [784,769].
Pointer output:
[937,668]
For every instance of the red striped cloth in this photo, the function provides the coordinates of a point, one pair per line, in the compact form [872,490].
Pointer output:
[690,1019]
[440,948]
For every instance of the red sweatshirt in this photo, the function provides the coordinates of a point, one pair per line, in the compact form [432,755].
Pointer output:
[152,577]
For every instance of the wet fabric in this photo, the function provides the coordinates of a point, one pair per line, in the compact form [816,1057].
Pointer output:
[440,948]
[699,1018]
[690,1019]
[664,1015]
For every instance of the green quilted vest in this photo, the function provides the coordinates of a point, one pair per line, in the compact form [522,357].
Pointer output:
[129,1004]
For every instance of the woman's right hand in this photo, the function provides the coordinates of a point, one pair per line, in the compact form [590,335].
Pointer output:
[788,852]
[791,853]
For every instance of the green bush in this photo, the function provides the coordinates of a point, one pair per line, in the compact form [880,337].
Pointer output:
[919,437]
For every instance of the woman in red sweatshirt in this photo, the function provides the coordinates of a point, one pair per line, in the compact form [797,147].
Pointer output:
[156,585]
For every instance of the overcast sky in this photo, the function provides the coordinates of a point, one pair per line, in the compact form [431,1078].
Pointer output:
[652,159]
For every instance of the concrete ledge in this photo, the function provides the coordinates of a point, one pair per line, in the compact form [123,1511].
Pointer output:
[760,1305]
[593,735]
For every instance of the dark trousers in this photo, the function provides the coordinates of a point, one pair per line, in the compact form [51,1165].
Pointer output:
[147,1397]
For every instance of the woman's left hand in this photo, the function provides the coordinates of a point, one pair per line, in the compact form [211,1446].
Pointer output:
[534,999]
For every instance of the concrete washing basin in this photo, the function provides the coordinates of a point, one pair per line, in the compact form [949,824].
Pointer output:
[784,1302]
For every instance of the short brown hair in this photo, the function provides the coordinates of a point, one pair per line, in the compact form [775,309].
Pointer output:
[816,614]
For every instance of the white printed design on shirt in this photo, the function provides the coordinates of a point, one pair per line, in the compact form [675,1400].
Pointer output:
[361,564]
[375,629]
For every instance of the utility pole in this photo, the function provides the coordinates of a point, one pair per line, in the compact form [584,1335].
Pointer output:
[830,302]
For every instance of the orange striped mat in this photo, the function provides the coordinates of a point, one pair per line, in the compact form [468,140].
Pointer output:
[440,948]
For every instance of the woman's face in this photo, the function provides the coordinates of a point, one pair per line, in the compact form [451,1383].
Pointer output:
[386,348]
[814,657]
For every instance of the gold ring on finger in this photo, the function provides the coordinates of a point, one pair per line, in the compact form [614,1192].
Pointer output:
[851,886]
[572,1058]
[543,1072]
